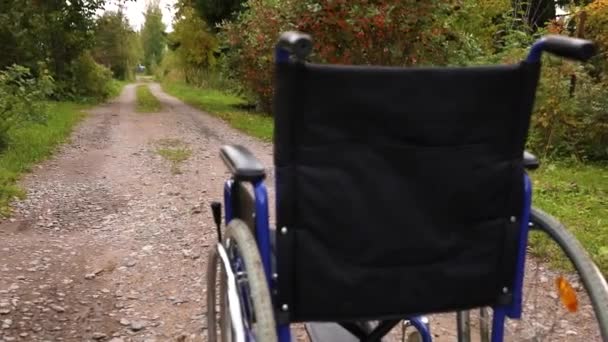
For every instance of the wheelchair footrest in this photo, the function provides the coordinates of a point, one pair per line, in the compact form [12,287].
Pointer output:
[329,332]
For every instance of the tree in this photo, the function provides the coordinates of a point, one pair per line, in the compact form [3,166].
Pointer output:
[215,11]
[50,34]
[193,43]
[153,35]
[115,44]
[54,30]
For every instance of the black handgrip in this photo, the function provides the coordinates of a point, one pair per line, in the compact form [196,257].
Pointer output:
[568,47]
[531,162]
[297,43]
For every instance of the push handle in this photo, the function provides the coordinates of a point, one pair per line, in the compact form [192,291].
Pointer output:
[567,47]
[295,43]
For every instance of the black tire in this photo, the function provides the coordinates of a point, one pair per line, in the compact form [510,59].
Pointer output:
[212,266]
[239,237]
[591,277]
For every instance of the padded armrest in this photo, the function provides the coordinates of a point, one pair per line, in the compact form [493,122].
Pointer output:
[243,165]
[530,161]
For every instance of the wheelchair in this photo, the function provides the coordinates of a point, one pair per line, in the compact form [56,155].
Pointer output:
[402,199]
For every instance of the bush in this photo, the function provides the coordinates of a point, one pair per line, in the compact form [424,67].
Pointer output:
[571,115]
[596,29]
[91,80]
[88,80]
[251,38]
[385,32]
[21,96]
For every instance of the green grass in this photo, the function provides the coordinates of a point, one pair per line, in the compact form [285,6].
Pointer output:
[577,195]
[174,151]
[33,143]
[116,87]
[145,78]
[224,106]
[146,101]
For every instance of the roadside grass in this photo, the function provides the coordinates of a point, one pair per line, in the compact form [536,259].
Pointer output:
[145,78]
[226,107]
[174,151]
[116,87]
[32,143]
[146,101]
[577,195]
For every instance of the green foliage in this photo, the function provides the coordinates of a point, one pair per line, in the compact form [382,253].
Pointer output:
[146,101]
[216,11]
[578,196]
[225,106]
[169,69]
[20,96]
[387,32]
[194,46]
[251,39]
[597,30]
[116,87]
[89,80]
[48,35]
[153,35]
[535,13]
[32,142]
[54,31]
[571,118]
[116,45]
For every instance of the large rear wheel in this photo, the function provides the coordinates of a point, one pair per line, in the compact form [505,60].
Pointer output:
[248,283]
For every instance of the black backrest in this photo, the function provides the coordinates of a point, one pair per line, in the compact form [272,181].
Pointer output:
[397,187]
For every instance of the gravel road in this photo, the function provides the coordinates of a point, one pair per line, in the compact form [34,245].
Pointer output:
[110,243]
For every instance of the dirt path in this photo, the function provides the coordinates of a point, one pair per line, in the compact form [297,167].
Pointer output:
[110,243]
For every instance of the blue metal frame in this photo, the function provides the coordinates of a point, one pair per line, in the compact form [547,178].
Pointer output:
[281,55]
[262,227]
[514,309]
[422,328]
[536,51]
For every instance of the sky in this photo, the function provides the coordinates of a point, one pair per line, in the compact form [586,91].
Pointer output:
[135,9]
